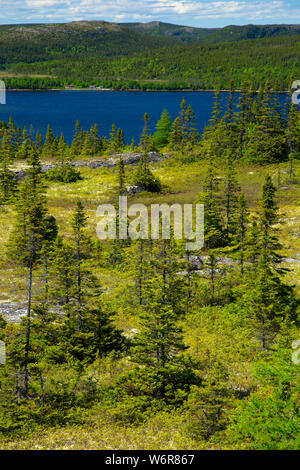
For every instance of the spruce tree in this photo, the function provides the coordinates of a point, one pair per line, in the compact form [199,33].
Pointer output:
[230,130]
[244,116]
[62,150]
[145,141]
[96,142]
[231,195]
[242,220]
[217,109]
[175,138]
[293,138]
[48,144]
[24,150]
[212,206]
[182,117]
[77,140]
[12,136]
[121,174]
[86,149]
[26,135]
[211,265]
[39,142]
[7,177]
[120,139]
[192,134]
[252,252]
[163,129]
[144,177]
[263,139]
[229,114]
[162,376]
[62,274]
[187,124]
[132,145]
[82,250]
[27,238]
[270,302]
[116,139]
[268,234]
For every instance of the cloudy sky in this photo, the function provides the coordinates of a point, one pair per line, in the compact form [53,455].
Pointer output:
[206,13]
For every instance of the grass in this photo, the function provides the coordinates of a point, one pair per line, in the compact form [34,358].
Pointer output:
[207,334]
[162,432]
[181,184]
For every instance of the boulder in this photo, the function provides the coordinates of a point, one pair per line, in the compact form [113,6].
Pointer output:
[133,189]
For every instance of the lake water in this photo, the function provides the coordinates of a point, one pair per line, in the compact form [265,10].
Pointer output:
[61,109]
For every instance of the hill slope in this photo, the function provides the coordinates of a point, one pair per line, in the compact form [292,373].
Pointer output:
[40,42]
[146,56]
[212,35]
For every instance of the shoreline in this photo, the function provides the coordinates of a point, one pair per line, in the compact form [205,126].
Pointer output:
[132,90]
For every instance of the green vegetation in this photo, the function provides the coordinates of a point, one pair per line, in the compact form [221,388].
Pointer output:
[139,57]
[128,344]
[212,35]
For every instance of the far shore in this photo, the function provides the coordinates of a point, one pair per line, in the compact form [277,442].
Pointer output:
[129,89]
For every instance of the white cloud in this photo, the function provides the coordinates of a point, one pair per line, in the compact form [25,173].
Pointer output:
[193,12]
[223,9]
[44,3]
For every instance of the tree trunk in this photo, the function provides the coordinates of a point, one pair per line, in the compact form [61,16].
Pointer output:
[188,278]
[28,317]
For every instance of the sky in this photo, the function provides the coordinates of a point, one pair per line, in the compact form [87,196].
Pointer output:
[206,13]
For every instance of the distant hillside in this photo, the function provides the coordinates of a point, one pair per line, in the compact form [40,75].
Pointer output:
[213,35]
[146,56]
[40,42]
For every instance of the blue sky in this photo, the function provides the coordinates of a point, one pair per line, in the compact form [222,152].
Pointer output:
[204,13]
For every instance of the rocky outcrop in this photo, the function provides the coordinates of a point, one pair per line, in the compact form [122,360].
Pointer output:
[129,158]
[198,264]
[13,311]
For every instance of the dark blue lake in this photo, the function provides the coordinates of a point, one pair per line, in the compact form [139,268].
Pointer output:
[61,109]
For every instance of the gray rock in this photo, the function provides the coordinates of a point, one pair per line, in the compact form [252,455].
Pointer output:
[129,158]
[196,261]
[291,260]
[134,189]
[19,175]
[45,168]
[13,311]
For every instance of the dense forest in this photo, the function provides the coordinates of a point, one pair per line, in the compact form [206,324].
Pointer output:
[213,35]
[122,57]
[132,344]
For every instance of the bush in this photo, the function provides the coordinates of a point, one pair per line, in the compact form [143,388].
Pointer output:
[63,174]
[207,407]
[269,418]
[143,392]
[146,180]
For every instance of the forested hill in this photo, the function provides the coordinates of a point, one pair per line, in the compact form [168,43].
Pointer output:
[212,35]
[135,56]
[96,33]
[40,42]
